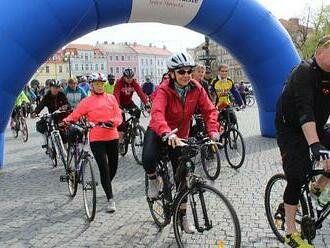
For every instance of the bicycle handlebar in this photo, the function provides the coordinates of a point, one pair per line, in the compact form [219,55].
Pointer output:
[174,131]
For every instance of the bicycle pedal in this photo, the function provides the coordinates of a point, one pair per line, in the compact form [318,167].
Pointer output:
[64,179]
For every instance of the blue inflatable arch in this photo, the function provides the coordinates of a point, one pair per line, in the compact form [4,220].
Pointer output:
[30,31]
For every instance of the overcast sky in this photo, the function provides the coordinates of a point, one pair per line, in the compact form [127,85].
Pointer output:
[176,35]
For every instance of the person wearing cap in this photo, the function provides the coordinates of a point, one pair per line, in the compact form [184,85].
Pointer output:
[110,85]
[84,85]
[303,110]
[176,101]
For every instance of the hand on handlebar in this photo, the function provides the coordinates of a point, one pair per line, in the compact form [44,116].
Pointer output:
[64,107]
[320,153]
[173,140]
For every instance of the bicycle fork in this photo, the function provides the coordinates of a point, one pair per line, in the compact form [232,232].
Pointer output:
[207,223]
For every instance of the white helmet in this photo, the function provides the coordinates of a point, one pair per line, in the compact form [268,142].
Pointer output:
[98,77]
[179,60]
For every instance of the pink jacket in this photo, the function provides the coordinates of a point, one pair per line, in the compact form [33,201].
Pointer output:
[99,108]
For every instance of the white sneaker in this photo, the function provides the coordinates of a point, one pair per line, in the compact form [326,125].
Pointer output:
[111,207]
[154,188]
[187,226]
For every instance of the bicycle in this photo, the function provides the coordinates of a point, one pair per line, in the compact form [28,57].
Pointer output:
[54,144]
[310,216]
[19,124]
[146,110]
[134,135]
[207,205]
[79,168]
[232,139]
[209,151]
[250,99]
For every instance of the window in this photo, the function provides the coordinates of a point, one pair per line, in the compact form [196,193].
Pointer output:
[122,69]
[47,69]
[122,58]
[110,58]
[141,61]
[82,67]
[60,69]
[117,58]
[91,67]
[142,72]
[146,61]
[117,69]
[67,69]
[158,62]
[129,58]
[76,67]
[134,69]
[86,57]
[102,67]
[96,67]
[111,70]
[150,61]
[86,67]
[147,72]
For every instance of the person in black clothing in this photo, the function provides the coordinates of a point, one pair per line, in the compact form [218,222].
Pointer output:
[302,112]
[148,87]
[54,99]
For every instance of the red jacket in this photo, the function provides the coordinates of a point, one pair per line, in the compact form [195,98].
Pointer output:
[168,112]
[124,92]
[99,108]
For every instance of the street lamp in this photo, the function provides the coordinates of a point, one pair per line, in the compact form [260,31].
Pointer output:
[67,58]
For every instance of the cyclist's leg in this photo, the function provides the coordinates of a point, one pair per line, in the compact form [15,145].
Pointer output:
[121,129]
[150,152]
[112,153]
[100,154]
[13,116]
[135,109]
[296,164]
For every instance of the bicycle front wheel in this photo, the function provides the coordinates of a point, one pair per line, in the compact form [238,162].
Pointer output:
[51,151]
[137,143]
[71,173]
[24,130]
[210,157]
[213,217]
[274,206]
[89,189]
[234,148]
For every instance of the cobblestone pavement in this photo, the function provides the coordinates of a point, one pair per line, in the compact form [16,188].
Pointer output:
[35,210]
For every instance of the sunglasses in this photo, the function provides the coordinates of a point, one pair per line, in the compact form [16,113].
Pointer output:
[183,72]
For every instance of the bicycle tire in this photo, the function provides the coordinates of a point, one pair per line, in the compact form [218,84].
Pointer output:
[141,131]
[24,130]
[229,144]
[61,149]
[126,143]
[71,173]
[269,215]
[160,221]
[15,129]
[205,153]
[90,213]
[250,101]
[201,189]
[51,152]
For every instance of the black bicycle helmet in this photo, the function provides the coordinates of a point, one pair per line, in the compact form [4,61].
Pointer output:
[128,72]
[55,83]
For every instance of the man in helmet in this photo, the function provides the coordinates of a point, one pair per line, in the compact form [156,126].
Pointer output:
[124,90]
[84,85]
[54,99]
[110,85]
[173,107]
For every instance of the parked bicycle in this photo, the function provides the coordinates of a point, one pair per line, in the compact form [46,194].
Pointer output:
[19,125]
[231,138]
[79,168]
[214,218]
[310,214]
[134,135]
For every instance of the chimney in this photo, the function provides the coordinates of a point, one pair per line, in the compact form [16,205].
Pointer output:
[105,42]
[113,43]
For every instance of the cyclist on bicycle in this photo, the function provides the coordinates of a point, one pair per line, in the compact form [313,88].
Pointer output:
[54,99]
[302,112]
[110,85]
[124,90]
[74,93]
[176,101]
[101,107]
[84,85]
[20,100]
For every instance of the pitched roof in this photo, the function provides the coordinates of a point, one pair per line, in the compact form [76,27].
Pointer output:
[141,49]
[84,47]
[115,48]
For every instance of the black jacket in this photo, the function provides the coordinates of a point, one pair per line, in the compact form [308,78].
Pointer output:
[305,98]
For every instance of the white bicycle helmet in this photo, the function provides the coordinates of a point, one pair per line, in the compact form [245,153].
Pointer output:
[98,77]
[179,60]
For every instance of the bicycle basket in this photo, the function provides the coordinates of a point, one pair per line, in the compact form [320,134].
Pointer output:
[41,126]
[74,134]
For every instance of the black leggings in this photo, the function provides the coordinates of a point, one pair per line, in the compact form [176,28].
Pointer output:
[106,156]
[151,149]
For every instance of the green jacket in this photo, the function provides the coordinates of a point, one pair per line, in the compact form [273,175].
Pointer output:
[21,98]
[108,88]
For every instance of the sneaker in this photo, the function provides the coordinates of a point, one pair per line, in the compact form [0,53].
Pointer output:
[111,207]
[295,240]
[187,226]
[320,194]
[154,188]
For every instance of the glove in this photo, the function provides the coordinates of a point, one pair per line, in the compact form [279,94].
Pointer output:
[319,151]
[215,136]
